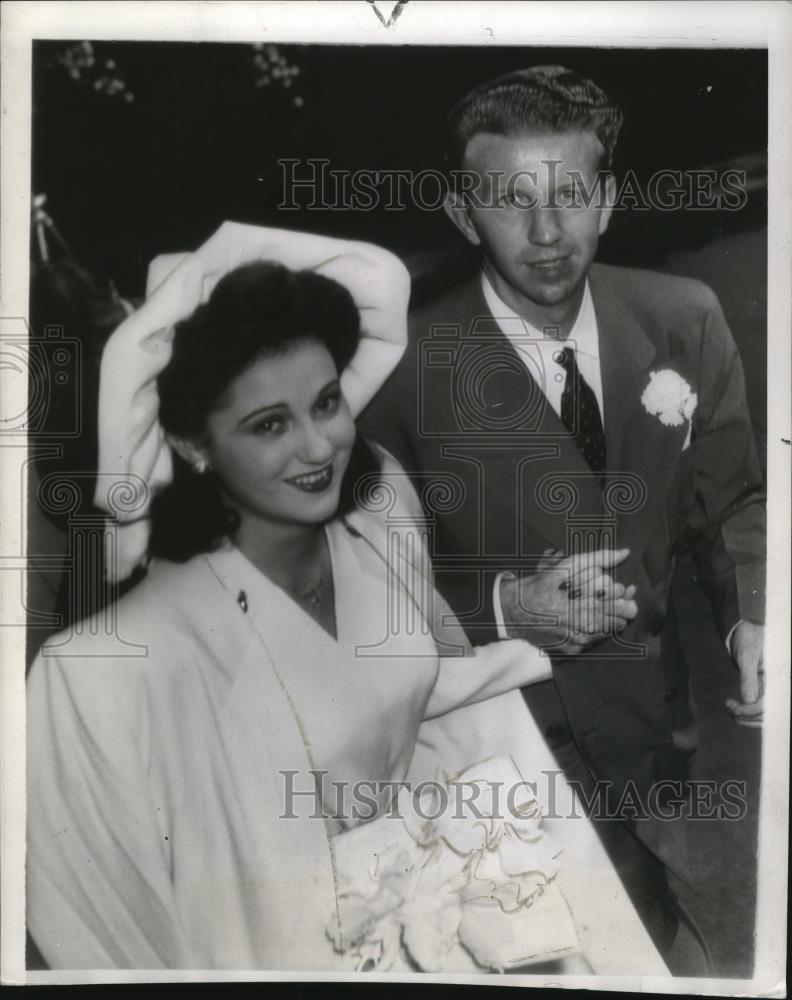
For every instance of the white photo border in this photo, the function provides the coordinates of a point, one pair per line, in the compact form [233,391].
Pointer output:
[615,25]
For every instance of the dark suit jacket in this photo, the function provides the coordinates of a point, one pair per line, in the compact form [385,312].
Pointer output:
[502,481]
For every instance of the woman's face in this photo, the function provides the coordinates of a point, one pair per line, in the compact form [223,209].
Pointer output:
[280,439]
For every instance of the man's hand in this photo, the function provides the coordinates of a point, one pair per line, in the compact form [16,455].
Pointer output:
[747,649]
[570,602]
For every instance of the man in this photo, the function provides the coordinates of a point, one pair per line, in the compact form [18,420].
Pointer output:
[578,407]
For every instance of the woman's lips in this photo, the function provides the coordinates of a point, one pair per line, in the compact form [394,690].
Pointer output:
[313,482]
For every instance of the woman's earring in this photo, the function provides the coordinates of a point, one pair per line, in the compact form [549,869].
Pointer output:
[200,465]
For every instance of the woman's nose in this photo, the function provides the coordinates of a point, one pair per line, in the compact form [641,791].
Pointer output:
[543,227]
[315,447]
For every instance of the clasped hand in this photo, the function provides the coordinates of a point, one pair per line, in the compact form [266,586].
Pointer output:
[747,649]
[570,602]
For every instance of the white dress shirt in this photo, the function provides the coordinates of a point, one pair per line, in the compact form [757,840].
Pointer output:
[538,352]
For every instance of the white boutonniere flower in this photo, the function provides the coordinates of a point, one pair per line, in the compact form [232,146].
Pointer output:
[669,397]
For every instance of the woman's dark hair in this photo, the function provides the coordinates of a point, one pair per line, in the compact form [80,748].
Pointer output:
[256,310]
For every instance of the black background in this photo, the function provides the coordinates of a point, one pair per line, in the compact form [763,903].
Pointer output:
[200,141]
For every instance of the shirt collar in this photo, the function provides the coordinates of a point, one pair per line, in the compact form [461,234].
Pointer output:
[583,334]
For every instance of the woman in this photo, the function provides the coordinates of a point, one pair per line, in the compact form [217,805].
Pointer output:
[186,787]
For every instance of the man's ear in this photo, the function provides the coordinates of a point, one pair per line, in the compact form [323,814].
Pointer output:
[608,203]
[192,454]
[456,209]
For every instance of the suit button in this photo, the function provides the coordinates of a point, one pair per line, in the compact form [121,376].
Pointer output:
[657,627]
[670,694]
[555,731]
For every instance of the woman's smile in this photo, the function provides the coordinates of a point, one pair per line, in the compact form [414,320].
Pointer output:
[313,482]
[280,442]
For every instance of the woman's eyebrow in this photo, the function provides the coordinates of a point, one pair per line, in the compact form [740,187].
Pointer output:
[259,411]
[332,384]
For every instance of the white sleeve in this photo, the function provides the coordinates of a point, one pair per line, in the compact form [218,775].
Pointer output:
[99,893]
[471,674]
[376,279]
[497,607]
[730,636]
[380,286]
[493,670]
[133,454]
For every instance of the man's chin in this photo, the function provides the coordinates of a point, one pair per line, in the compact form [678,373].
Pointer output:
[550,294]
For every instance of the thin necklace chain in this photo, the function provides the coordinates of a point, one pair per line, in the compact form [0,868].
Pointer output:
[313,595]
[244,607]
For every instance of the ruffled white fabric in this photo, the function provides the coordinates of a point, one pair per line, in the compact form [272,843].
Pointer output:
[461,880]
[134,456]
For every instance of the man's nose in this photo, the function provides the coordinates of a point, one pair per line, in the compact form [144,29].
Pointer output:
[543,226]
[315,448]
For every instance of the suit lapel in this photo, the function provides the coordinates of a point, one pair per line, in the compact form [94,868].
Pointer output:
[638,445]
[509,445]
[626,355]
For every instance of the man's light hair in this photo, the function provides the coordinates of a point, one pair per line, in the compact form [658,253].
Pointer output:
[539,100]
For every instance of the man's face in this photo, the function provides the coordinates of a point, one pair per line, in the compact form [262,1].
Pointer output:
[537,233]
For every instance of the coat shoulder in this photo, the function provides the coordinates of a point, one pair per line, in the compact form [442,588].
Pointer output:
[451,307]
[654,291]
[396,400]
[150,615]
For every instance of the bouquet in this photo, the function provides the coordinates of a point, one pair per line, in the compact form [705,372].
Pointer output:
[458,877]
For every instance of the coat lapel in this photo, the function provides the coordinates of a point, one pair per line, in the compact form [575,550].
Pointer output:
[640,448]
[509,446]
[626,356]
[250,739]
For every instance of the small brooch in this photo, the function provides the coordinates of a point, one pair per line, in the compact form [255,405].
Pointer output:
[242,601]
